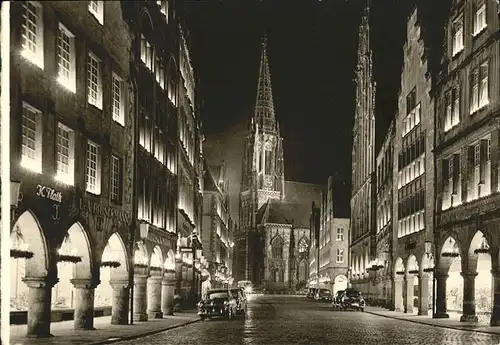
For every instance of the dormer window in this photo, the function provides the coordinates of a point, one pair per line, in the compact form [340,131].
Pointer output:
[458,35]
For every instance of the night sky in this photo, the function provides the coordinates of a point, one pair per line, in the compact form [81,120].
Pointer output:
[312,51]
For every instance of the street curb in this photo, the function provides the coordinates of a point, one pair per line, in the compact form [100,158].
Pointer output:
[433,325]
[145,334]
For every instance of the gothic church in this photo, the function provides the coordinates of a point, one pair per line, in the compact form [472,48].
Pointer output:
[273,243]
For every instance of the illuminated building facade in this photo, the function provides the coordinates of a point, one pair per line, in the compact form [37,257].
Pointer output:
[72,125]
[467,98]
[218,226]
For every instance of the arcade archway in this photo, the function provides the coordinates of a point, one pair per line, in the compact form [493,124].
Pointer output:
[451,264]
[399,272]
[29,259]
[479,260]
[73,262]
[111,292]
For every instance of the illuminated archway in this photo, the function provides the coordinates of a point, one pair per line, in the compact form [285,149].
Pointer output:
[114,267]
[339,283]
[170,261]
[75,244]
[28,235]
[450,262]
[412,292]
[399,272]
[479,260]
[156,260]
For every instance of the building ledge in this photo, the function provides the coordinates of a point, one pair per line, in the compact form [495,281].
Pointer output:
[475,210]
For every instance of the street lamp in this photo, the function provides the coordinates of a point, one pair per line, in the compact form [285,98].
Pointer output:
[15,187]
[144,230]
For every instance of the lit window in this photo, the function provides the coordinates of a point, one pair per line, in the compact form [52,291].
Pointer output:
[163,8]
[31,155]
[458,35]
[479,87]
[94,81]
[479,17]
[32,33]
[116,172]
[97,9]
[483,85]
[340,256]
[65,154]
[93,168]
[146,53]
[118,107]
[66,58]
[160,74]
[340,234]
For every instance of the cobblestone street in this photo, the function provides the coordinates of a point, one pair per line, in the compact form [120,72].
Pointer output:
[297,320]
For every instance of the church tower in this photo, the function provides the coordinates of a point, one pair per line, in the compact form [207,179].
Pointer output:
[363,157]
[262,166]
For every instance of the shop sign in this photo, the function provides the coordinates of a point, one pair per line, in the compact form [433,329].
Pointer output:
[48,193]
[102,210]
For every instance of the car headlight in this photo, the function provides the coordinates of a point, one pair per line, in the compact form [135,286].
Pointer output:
[248,289]
[200,304]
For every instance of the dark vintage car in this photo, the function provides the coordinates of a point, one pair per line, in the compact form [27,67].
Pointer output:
[337,299]
[217,303]
[241,300]
[323,295]
[349,299]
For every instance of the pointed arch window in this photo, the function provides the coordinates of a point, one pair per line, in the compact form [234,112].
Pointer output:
[277,248]
[268,156]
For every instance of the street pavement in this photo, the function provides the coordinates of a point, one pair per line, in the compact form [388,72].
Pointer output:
[297,320]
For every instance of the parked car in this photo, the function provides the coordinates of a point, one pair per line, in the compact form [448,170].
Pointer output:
[323,295]
[311,293]
[217,302]
[352,299]
[337,299]
[241,300]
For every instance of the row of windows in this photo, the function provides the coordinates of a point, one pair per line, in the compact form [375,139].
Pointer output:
[411,224]
[477,173]
[412,151]
[154,64]
[155,201]
[411,204]
[32,50]
[413,114]
[384,215]
[153,140]
[478,25]
[479,96]
[31,155]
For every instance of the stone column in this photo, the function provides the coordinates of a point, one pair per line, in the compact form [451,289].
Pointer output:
[178,273]
[469,303]
[189,283]
[119,309]
[140,300]
[84,304]
[154,297]
[408,297]
[495,314]
[398,293]
[423,296]
[167,293]
[39,307]
[441,296]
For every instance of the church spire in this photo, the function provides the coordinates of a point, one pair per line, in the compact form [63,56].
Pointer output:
[264,106]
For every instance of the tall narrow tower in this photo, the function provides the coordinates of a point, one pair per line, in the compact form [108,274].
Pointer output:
[363,153]
[262,166]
